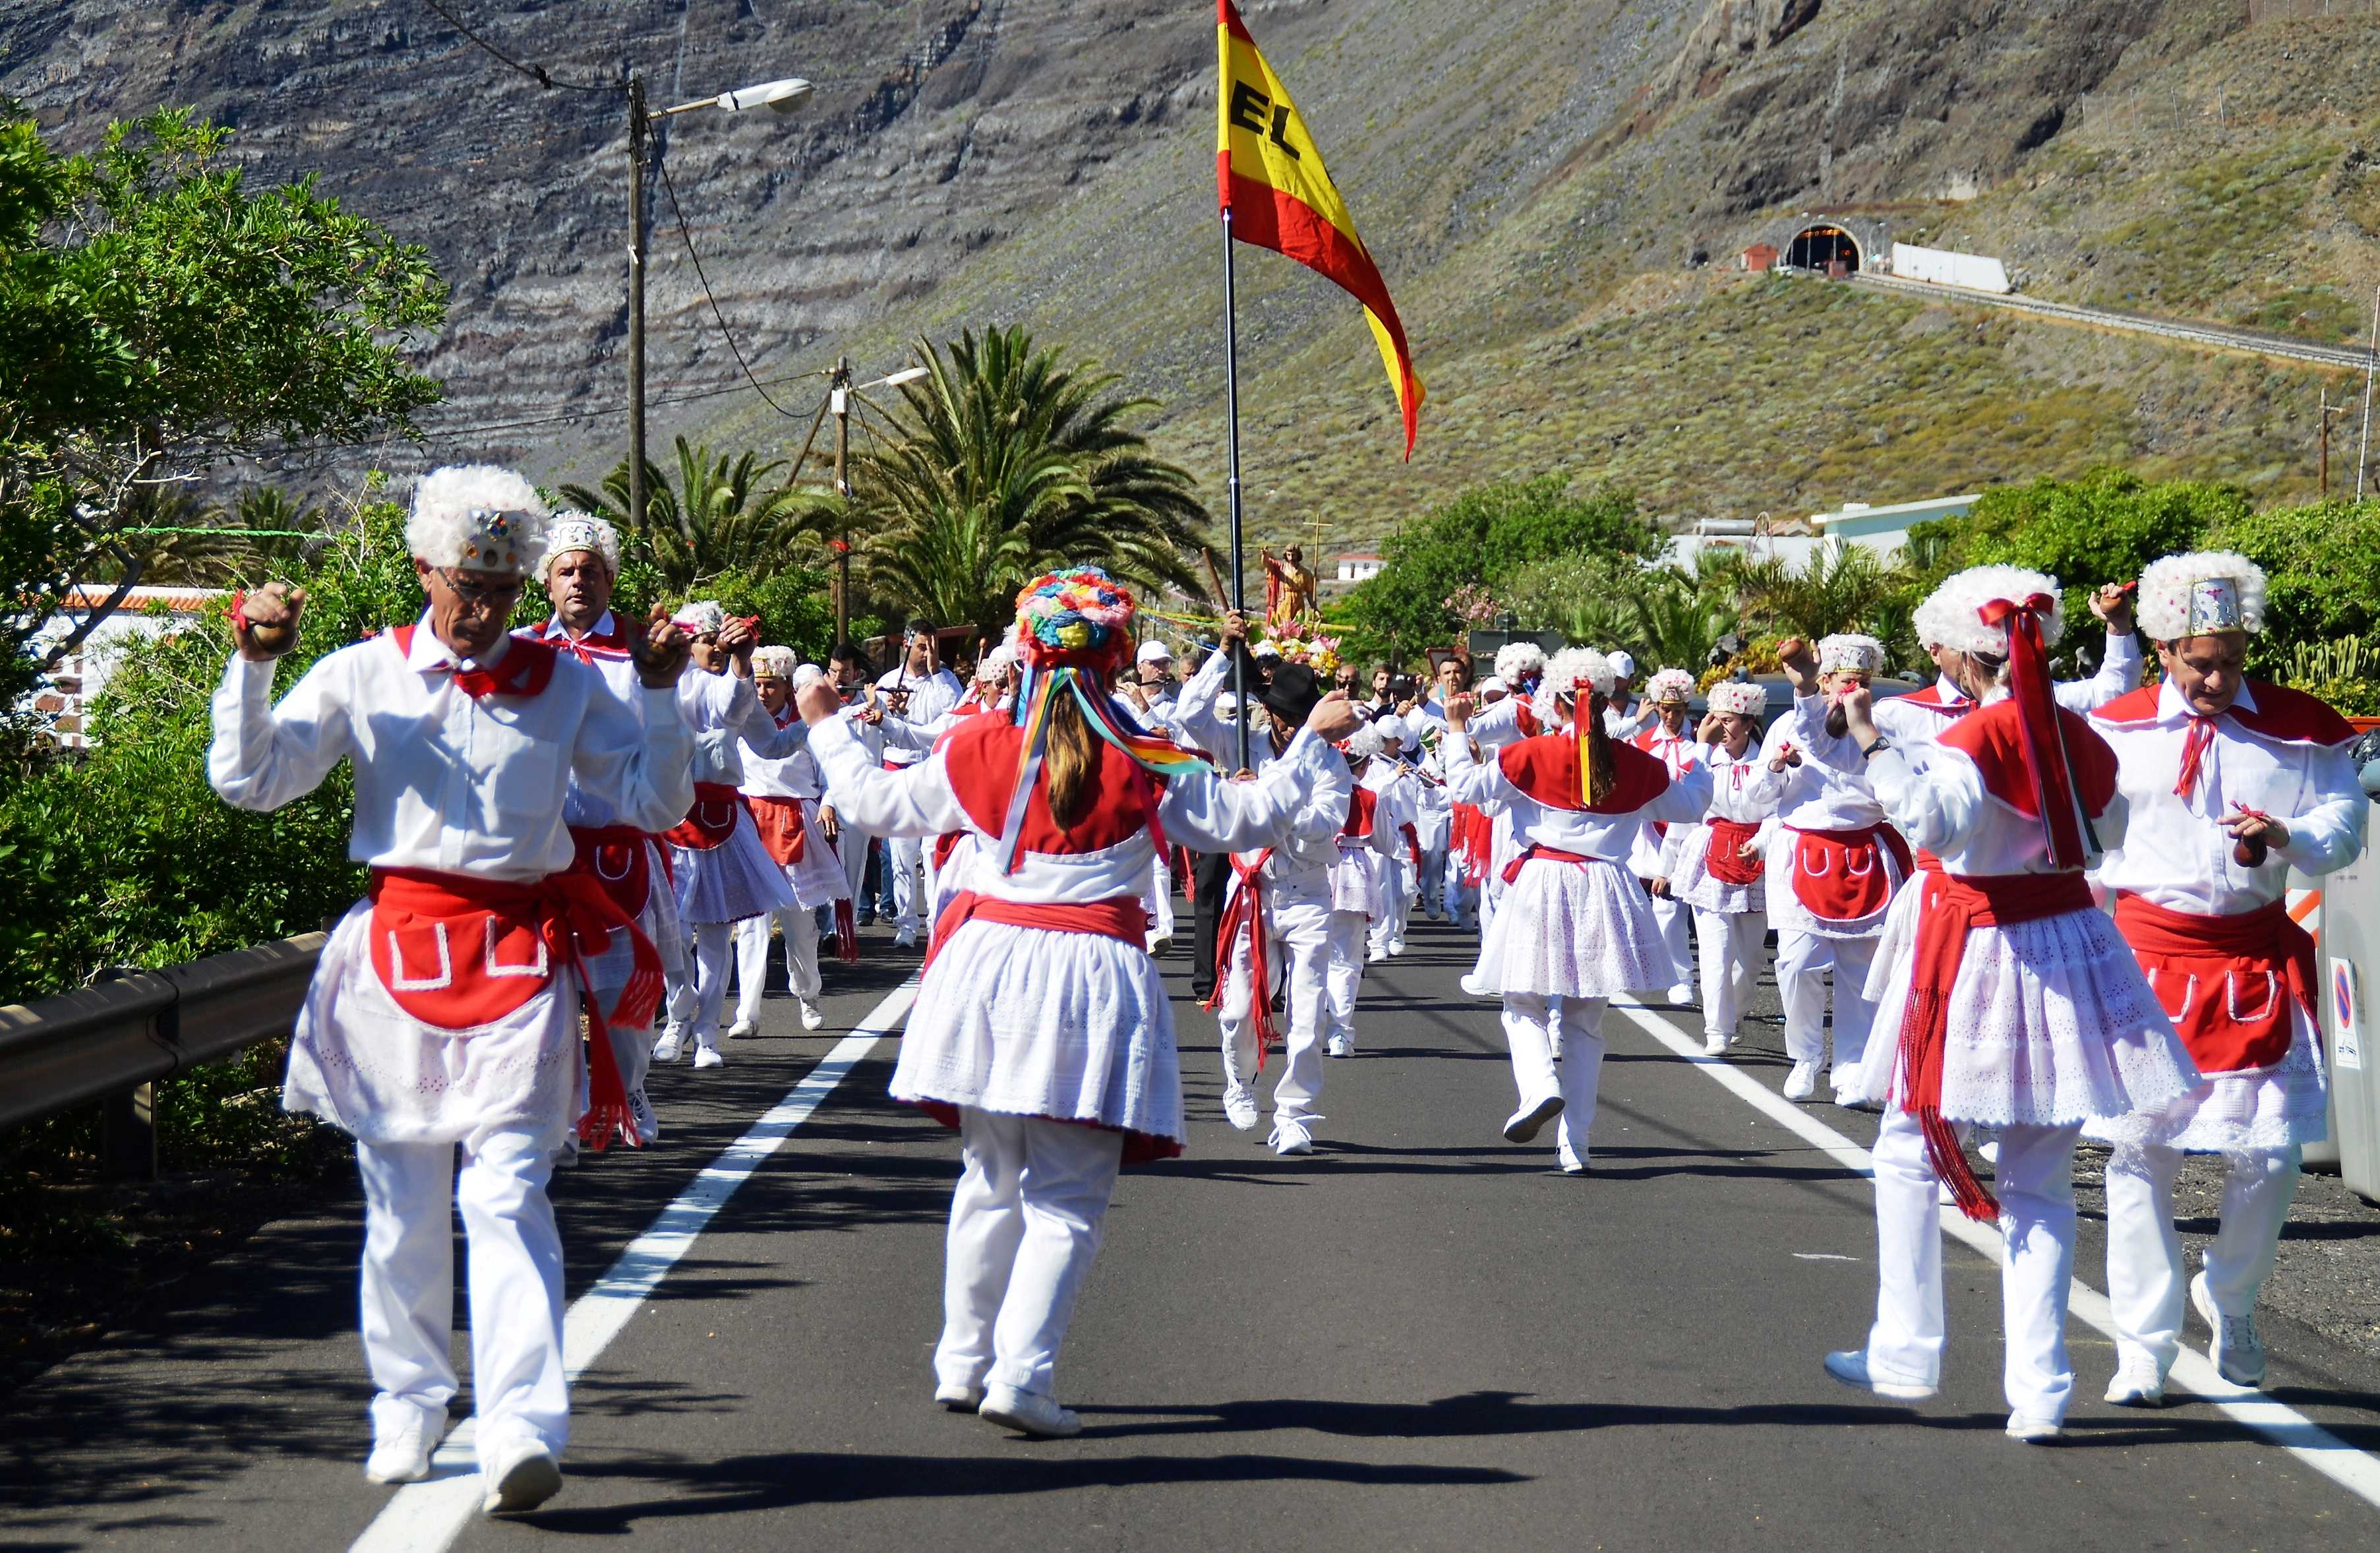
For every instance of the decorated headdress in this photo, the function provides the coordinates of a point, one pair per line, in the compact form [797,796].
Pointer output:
[2203,592]
[1073,627]
[577,531]
[1515,661]
[995,662]
[1950,616]
[1740,698]
[1362,744]
[774,663]
[700,618]
[1669,685]
[1849,650]
[1577,675]
[477,517]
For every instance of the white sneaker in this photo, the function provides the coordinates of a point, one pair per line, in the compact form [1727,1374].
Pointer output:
[1716,1045]
[1802,1082]
[2138,1383]
[1379,953]
[1850,1366]
[1340,1046]
[709,1057]
[1397,945]
[905,939]
[959,1397]
[522,1478]
[402,1454]
[1571,1165]
[640,1110]
[812,1015]
[1476,987]
[1291,1135]
[2237,1351]
[1680,994]
[673,1041]
[1240,1107]
[1522,1125]
[1029,1413]
[743,1030]
[2031,1431]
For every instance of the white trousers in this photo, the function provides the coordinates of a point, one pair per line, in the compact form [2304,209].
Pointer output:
[1557,1048]
[800,923]
[1388,931]
[911,862]
[2034,1182]
[1728,945]
[694,1004]
[1803,961]
[1671,915]
[1025,1226]
[1160,901]
[2144,1256]
[1434,881]
[410,1194]
[1345,980]
[1299,950]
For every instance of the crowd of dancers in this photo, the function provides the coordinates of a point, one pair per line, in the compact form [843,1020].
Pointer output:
[2022,912]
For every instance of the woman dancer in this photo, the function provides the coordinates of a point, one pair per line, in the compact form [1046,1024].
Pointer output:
[1667,738]
[783,797]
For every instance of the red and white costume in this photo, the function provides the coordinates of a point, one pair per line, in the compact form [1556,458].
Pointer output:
[1575,928]
[1363,885]
[782,795]
[1680,754]
[908,862]
[2007,1001]
[1711,874]
[1043,1030]
[1399,788]
[444,1012]
[2214,935]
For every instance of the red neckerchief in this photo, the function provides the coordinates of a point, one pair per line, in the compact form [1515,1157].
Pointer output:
[614,643]
[2193,753]
[527,670]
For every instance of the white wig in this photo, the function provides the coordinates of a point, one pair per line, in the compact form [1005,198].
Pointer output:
[1849,650]
[1362,744]
[577,531]
[1563,671]
[1515,661]
[1669,684]
[700,618]
[1740,697]
[773,662]
[477,517]
[2205,590]
[1952,616]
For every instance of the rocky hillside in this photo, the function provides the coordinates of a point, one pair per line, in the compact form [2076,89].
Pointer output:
[1556,191]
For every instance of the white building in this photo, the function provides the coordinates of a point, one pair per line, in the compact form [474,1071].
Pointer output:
[68,691]
[1357,567]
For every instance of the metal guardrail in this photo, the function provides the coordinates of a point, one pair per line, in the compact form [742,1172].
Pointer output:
[111,1042]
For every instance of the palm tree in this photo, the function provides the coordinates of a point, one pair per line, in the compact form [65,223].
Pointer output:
[1004,461]
[1841,588]
[1659,616]
[720,514]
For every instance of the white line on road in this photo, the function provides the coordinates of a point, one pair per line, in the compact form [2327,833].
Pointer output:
[2353,1470]
[427,1517]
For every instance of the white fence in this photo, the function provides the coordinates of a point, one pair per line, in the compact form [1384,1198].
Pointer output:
[1973,271]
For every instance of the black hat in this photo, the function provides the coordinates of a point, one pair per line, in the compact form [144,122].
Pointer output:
[1292,695]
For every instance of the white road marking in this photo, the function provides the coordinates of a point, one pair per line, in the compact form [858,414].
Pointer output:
[427,1517]
[2357,1471]
[1821,1257]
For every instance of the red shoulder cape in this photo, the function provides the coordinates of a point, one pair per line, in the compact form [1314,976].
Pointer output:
[1545,768]
[980,754]
[2282,714]
[1991,738]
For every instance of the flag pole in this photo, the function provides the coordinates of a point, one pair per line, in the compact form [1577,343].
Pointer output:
[1232,435]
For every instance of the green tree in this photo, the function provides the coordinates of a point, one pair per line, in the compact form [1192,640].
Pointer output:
[158,316]
[1004,461]
[720,514]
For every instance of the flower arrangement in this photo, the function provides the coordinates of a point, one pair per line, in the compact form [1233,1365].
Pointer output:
[1318,652]
[1473,606]
[1079,610]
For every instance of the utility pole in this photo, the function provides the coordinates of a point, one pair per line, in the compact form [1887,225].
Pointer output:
[637,132]
[839,399]
[2329,410]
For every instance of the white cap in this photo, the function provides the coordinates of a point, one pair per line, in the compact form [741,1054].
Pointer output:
[806,674]
[1491,686]
[995,662]
[1392,729]
[2202,591]
[1153,651]
[1623,666]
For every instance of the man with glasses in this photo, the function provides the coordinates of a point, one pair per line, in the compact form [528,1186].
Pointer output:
[917,690]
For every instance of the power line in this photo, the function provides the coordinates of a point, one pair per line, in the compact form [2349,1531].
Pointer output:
[537,73]
[669,185]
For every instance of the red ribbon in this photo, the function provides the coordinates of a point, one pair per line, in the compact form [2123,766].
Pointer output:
[2193,753]
[2045,742]
[1244,913]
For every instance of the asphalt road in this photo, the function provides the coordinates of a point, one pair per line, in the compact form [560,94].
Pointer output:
[1419,1337]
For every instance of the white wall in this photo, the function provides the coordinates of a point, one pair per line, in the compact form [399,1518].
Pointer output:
[1972,271]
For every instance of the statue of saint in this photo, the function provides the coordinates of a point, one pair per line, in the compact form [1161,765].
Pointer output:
[1292,591]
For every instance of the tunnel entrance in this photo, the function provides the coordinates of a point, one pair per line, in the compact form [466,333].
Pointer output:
[1829,250]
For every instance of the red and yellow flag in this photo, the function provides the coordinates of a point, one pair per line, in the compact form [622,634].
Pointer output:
[1271,180]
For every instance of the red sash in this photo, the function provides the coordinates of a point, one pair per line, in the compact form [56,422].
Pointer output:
[1952,906]
[1723,859]
[778,822]
[1120,917]
[2234,971]
[1545,854]
[711,821]
[1245,912]
[455,951]
[1839,875]
[618,859]
[1472,835]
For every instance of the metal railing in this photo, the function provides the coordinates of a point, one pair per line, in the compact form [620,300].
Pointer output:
[111,1042]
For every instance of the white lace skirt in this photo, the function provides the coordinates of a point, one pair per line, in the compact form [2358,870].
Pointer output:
[1029,1021]
[1576,930]
[370,1068]
[1693,883]
[729,882]
[2050,1023]
[817,879]
[1357,882]
[2257,1110]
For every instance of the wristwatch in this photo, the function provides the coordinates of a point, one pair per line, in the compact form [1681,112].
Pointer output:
[1868,752]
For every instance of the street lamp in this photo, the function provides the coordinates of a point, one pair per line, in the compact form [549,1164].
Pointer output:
[839,400]
[778,96]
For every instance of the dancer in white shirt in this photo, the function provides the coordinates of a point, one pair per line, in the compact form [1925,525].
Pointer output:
[1667,738]
[2010,1002]
[1714,868]
[1360,883]
[1575,928]
[1042,1029]
[444,1019]
[723,874]
[1399,851]
[782,795]
[2231,782]
[917,690]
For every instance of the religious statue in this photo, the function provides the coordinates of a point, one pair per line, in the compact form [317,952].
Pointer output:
[1292,591]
